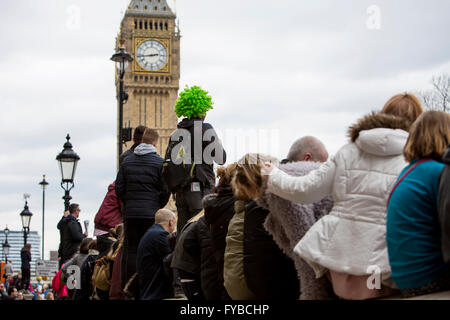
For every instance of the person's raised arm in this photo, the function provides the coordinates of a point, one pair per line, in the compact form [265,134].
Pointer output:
[60,223]
[305,189]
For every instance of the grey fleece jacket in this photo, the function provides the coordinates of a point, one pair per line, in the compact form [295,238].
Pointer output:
[288,222]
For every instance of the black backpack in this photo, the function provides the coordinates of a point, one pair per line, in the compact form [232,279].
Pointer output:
[177,176]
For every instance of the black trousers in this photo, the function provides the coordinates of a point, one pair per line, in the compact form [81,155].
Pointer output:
[26,274]
[134,230]
[188,205]
[192,289]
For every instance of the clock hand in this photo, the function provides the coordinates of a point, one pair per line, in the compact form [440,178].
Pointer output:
[149,55]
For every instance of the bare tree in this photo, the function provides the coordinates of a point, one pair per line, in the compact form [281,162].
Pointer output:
[438,98]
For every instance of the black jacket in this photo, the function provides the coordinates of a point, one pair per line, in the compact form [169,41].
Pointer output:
[204,172]
[219,210]
[140,186]
[127,153]
[72,235]
[87,270]
[25,255]
[194,254]
[60,228]
[444,206]
[269,273]
[153,248]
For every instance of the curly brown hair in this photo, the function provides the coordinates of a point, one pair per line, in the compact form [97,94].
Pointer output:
[225,176]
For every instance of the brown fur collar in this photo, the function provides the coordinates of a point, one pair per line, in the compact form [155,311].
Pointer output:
[378,120]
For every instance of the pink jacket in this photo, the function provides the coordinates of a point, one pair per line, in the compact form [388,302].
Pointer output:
[58,286]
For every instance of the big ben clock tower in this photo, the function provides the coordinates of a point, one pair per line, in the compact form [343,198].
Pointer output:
[149,32]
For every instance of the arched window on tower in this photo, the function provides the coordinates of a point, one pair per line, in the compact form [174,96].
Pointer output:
[161,26]
[156,25]
[151,25]
[167,26]
[140,25]
[146,25]
[135,24]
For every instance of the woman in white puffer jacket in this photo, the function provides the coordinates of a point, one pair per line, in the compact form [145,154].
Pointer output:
[349,245]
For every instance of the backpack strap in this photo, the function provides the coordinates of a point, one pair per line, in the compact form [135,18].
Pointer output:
[404,175]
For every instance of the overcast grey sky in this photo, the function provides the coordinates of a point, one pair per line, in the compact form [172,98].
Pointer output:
[276,70]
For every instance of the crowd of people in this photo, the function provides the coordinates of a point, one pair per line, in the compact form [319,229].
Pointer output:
[16,286]
[370,222]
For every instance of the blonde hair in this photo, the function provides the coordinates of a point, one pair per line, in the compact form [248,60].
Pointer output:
[248,174]
[49,296]
[197,216]
[404,105]
[429,136]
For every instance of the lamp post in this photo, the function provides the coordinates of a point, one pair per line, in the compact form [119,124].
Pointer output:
[26,219]
[6,248]
[6,245]
[68,160]
[122,59]
[44,184]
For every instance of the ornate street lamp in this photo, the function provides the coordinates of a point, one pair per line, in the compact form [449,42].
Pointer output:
[122,59]
[68,160]
[6,248]
[6,245]
[44,184]
[26,219]
[6,231]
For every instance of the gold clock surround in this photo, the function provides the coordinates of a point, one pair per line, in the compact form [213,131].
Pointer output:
[137,69]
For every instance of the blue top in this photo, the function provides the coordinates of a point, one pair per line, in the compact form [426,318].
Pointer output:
[413,234]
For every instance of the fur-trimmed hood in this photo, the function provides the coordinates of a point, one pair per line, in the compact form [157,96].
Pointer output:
[380,134]
[376,120]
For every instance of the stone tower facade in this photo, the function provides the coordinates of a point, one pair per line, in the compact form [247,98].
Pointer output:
[151,36]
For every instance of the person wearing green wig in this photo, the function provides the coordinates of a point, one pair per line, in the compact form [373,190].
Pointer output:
[202,148]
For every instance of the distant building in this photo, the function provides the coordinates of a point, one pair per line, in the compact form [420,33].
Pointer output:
[53,255]
[15,240]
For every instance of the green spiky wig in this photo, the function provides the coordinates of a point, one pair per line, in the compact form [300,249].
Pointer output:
[193,102]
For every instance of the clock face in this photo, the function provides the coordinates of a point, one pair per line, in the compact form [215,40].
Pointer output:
[151,55]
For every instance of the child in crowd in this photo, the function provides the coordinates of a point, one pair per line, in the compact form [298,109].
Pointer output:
[413,231]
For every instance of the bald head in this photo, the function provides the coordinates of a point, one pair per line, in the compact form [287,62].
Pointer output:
[166,219]
[308,149]
[164,216]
